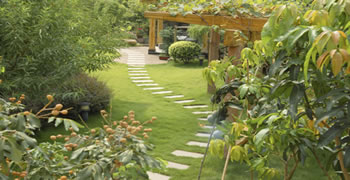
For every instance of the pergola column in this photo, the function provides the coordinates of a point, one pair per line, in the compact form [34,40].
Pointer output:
[159,28]
[152,36]
[214,45]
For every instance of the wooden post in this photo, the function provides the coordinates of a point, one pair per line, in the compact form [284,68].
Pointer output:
[205,43]
[152,37]
[159,28]
[234,42]
[214,45]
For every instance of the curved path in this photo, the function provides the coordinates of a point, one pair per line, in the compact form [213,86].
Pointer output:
[136,58]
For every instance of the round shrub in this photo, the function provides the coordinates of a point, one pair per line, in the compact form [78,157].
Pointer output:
[184,50]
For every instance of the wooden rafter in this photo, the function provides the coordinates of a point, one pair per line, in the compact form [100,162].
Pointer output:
[226,22]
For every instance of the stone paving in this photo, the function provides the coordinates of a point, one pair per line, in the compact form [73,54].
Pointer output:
[136,58]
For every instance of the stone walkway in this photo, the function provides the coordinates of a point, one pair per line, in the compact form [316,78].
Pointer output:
[136,58]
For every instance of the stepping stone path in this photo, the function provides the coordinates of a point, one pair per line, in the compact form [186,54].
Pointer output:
[202,112]
[177,165]
[195,106]
[142,81]
[139,75]
[162,92]
[146,84]
[187,154]
[175,96]
[156,176]
[184,101]
[195,143]
[203,134]
[153,88]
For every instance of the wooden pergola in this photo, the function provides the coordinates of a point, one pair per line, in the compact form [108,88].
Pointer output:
[251,27]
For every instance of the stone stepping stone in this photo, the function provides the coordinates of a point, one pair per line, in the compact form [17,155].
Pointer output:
[202,134]
[195,106]
[177,166]
[156,176]
[137,58]
[147,84]
[136,68]
[153,88]
[139,77]
[142,74]
[175,96]
[162,92]
[187,154]
[141,81]
[130,65]
[136,55]
[195,143]
[137,71]
[203,119]
[208,127]
[202,112]
[136,63]
[184,101]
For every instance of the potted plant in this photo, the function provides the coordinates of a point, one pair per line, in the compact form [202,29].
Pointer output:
[163,56]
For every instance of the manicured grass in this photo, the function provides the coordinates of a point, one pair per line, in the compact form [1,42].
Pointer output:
[175,125]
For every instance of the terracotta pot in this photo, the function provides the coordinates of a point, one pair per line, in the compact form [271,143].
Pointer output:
[163,57]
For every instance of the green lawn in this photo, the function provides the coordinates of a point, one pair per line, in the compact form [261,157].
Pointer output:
[175,125]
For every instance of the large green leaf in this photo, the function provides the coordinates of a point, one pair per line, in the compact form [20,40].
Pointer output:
[260,136]
[330,135]
[126,156]
[296,95]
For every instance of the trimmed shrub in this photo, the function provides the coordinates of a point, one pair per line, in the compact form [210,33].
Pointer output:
[184,51]
[80,88]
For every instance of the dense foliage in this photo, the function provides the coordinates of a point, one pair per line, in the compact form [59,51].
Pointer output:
[45,44]
[250,8]
[115,151]
[298,107]
[184,51]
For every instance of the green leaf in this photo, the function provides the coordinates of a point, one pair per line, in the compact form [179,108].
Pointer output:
[126,156]
[294,99]
[333,132]
[35,122]
[30,141]
[260,136]
[58,121]
[243,90]
[77,153]
[16,153]
[278,62]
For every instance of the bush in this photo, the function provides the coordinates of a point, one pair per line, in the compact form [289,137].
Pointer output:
[116,151]
[184,50]
[83,88]
[80,88]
